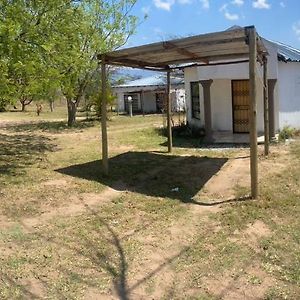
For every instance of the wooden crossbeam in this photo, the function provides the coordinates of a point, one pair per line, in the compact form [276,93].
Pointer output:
[183,51]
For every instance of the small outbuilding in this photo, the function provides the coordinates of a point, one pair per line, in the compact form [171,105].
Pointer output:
[149,94]
[230,94]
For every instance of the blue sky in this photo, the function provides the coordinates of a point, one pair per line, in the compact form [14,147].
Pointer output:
[278,20]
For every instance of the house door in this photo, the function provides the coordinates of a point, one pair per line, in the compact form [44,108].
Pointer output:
[240,106]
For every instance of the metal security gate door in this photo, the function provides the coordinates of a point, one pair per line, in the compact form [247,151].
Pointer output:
[240,106]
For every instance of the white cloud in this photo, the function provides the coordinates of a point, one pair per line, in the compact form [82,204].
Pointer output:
[167,4]
[205,4]
[184,1]
[164,4]
[282,4]
[229,16]
[296,28]
[261,4]
[238,2]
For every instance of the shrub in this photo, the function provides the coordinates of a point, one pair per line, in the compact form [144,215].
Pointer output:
[287,132]
[2,105]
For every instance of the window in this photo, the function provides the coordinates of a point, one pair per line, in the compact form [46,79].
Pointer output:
[195,97]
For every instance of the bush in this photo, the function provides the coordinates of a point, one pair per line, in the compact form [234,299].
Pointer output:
[2,105]
[184,130]
[287,132]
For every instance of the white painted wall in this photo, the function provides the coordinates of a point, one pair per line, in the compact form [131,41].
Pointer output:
[178,100]
[289,94]
[221,105]
[221,102]
[120,99]
[150,96]
[149,100]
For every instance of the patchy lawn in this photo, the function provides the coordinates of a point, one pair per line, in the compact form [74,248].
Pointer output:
[160,226]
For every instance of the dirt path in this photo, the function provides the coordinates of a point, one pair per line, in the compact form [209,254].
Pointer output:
[77,206]
[235,173]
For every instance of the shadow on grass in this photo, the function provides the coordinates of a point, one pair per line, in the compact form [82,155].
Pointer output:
[48,126]
[22,150]
[153,174]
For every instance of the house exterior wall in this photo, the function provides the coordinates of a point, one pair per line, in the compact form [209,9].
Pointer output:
[221,94]
[149,101]
[289,94]
[221,103]
[149,97]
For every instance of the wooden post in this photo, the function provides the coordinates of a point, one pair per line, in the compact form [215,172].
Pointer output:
[253,110]
[266,106]
[104,117]
[271,87]
[169,107]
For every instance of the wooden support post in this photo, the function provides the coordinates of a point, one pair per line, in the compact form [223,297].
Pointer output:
[271,87]
[104,116]
[266,106]
[253,110]
[169,108]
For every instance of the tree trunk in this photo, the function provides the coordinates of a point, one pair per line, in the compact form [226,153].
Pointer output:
[72,108]
[23,106]
[51,106]
[24,102]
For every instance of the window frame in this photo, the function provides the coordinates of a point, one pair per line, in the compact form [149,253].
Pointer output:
[195,101]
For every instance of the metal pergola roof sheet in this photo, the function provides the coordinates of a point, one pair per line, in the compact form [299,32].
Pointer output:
[205,48]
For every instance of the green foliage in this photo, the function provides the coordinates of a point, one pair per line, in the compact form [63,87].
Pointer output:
[47,46]
[287,132]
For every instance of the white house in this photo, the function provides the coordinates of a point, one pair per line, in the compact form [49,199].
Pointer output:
[228,88]
[149,94]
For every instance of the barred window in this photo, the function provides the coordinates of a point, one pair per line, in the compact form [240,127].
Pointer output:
[195,97]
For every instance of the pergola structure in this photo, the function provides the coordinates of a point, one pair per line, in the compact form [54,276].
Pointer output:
[226,47]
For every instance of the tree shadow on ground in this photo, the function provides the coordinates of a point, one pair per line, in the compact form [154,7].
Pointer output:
[103,249]
[22,150]
[48,126]
[152,174]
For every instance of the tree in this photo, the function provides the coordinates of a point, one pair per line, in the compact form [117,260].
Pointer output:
[24,32]
[104,26]
[47,45]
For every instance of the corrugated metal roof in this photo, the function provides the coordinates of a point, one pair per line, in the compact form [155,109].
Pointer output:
[287,53]
[157,80]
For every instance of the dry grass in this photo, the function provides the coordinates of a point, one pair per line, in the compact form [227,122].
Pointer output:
[68,232]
